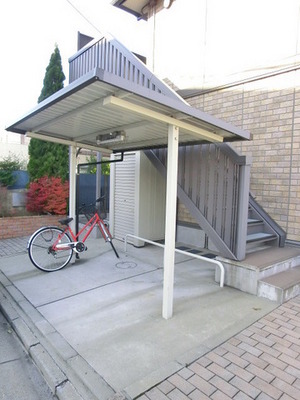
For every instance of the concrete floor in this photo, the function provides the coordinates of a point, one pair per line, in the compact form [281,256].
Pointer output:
[109,311]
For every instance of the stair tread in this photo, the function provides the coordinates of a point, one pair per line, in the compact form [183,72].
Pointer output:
[260,236]
[285,279]
[254,221]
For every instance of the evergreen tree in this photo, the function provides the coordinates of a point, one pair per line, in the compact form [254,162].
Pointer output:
[45,158]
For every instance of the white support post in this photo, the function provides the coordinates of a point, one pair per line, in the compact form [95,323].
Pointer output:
[112,183]
[170,229]
[98,189]
[72,184]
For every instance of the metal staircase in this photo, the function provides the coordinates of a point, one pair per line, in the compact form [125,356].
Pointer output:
[213,184]
[262,230]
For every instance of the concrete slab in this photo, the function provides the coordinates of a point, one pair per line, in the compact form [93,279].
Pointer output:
[83,276]
[109,311]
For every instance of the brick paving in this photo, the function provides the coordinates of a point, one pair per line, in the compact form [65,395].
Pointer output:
[262,362]
[13,246]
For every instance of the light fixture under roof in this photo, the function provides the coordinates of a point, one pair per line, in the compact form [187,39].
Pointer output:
[112,137]
[142,9]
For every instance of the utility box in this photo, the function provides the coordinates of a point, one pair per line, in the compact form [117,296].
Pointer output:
[137,200]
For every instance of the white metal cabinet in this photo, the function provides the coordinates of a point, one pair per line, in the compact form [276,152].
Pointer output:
[137,199]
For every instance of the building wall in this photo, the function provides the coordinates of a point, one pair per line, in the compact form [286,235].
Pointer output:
[269,108]
[14,144]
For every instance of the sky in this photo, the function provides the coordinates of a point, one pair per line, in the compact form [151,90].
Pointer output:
[195,41]
[29,31]
[219,38]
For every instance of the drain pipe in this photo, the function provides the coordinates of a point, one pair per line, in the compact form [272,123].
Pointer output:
[78,173]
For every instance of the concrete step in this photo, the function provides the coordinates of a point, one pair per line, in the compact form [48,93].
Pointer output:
[280,287]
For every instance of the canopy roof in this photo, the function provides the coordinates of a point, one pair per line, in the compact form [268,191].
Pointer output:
[101,106]
[114,104]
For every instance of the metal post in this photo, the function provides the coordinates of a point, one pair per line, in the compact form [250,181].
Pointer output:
[244,188]
[98,187]
[72,184]
[98,176]
[171,201]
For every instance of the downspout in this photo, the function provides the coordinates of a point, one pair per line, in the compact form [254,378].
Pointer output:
[97,163]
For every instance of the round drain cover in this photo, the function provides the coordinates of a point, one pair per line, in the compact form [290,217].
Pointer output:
[126,264]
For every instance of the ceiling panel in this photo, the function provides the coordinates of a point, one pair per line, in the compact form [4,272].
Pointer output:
[93,107]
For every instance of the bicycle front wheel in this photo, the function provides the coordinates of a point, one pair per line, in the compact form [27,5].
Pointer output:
[41,252]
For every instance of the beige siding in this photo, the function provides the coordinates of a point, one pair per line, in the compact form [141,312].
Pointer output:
[270,109]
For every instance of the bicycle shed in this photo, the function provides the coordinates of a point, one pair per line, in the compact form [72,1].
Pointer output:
[117,112]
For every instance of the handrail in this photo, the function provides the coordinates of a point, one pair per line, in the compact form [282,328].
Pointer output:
[209,260]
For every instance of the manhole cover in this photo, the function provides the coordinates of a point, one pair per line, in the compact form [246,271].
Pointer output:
[126,264]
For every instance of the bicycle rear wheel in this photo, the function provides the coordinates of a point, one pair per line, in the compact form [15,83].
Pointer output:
[41,253]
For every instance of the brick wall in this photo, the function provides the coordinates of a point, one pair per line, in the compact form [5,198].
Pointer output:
[270,109]
[183,214]
[24,226]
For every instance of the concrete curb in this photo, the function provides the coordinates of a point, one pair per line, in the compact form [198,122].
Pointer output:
[67,374]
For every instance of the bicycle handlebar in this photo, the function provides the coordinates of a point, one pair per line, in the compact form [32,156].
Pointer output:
[101,198]
[83,205]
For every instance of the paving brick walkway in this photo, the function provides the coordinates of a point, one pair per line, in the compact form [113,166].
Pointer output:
[262,362]
[10,247]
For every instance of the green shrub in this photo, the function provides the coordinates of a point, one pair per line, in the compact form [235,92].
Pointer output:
[8,165]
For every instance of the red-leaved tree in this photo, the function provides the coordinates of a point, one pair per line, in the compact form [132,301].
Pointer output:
[48,195]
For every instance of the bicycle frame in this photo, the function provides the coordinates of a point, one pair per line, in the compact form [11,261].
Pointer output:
[92,222]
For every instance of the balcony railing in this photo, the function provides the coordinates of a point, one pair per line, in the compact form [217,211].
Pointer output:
[111,56]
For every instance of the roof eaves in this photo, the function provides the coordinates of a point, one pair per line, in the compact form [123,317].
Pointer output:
[57,96]
[120,85]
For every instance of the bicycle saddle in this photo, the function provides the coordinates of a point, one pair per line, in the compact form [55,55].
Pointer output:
[65,221]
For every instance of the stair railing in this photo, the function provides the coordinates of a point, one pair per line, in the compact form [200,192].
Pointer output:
[213,183]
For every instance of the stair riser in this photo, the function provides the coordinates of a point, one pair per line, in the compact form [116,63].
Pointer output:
[262,243]
[277,294]
[255,228]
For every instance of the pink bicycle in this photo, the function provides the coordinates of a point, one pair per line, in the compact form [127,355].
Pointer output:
[51,248]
